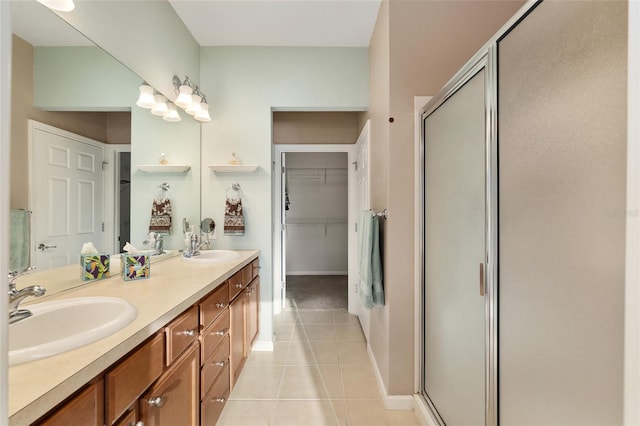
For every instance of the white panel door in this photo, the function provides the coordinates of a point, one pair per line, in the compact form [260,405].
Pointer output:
[363,203]
[66,195]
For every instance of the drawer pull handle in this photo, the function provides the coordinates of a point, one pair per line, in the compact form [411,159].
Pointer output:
[189,333]
[220,305]
[158,401]
[220,400]
[219,363]
[220,332]
[239,285]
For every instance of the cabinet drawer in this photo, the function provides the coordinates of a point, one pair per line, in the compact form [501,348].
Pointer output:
[212,367]
[130,419]
[255,268]
[212,336]
[132,376]
[180,333]
[247,274]
[215,400]
[213,305]
[235,285]
[83,409]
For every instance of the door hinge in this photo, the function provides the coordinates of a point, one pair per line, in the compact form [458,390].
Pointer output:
[355,288]
[355,225]
[283,169]
[102,226]
[355,165]
[104,165]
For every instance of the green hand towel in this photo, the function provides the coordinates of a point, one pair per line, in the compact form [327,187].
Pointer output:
[370,265]
[19,240]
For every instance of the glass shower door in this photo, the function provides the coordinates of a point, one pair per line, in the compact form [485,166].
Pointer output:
[454,254]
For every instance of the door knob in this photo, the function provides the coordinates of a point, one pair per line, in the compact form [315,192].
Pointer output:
[42,247]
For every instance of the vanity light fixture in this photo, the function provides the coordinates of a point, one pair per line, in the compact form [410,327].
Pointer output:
[184,92]
[61,5]
[160,106]
[145,100]
[172,113]
[203,114]
[194,107]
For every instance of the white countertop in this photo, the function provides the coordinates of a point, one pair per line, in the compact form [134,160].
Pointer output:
[174,285]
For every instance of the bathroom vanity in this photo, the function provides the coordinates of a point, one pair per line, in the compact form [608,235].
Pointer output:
[176,363]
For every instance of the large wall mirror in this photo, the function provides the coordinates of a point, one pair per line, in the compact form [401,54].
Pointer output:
[65,82]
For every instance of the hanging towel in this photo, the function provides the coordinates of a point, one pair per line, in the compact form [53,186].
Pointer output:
[370,265]
[19,240]
[160,216]
[233,217]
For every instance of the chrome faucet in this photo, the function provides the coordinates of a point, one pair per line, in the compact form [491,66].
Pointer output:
[195,245]
[17,296]
[158,246]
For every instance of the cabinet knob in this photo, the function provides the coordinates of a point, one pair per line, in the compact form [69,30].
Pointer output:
[220,305]
[220,332]
[189,333]
[220,400]
[239,285]
[219,363]
[158,401]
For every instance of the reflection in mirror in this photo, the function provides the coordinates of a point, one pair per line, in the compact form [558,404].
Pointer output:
[62,81]
[207,225]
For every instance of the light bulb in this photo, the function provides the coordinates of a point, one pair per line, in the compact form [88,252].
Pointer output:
[160,105]
[194,108]
[172,113]
[145,100]
[203,115]
[184,98]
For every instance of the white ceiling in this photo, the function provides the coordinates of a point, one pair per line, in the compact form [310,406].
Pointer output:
[328,23]
[279,22]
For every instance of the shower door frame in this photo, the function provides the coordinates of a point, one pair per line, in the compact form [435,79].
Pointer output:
[484,59]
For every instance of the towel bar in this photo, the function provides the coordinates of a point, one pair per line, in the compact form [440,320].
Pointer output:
[383,214]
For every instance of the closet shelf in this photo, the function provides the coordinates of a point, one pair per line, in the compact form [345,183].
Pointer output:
[158,168]
[228,168]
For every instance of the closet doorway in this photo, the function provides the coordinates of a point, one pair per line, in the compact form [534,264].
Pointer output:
[316,217]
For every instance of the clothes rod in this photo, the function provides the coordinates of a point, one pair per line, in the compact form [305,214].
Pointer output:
[383,214]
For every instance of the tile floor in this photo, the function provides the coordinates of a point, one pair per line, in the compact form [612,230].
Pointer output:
[318,374]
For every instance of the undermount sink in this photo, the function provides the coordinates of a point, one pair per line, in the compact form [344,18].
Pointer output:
[213,256]
[62,325]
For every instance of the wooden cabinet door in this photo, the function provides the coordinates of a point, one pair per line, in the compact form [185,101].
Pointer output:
[237,335]
[84,409]
[253,306]
[175,398]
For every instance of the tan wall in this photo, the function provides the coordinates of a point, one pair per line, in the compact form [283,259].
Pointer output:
[94,125]
[315,127]
[379,83]
[427,43]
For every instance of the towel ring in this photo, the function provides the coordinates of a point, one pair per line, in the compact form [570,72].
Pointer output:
[234,187]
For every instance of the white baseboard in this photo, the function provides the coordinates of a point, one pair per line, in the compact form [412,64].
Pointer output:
[423,413]
[317,273]
[391,402]
[263,346]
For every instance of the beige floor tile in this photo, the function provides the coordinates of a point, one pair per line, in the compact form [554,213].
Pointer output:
[299,334]
[247,413]
[340,410]
[300,353]
[350,332]
[305,413]
[320,332]
[302,383]
[276,357]
[285,317]
[343,317]
[316,317]
[332,378]
[352,353]
[371,412]
[258,382]
[326,353]
[283,332]
[359,381]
